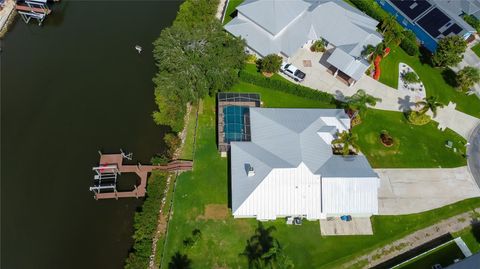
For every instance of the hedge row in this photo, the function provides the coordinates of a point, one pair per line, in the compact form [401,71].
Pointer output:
[145,222]
[371,8]
[286,86]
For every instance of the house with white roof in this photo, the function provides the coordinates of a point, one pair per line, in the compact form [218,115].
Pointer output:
[287,168]
[282,27]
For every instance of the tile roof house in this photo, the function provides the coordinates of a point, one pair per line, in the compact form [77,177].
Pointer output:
[288,168]
[283,27]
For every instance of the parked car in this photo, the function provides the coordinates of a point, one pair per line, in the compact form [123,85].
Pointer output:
[293,72]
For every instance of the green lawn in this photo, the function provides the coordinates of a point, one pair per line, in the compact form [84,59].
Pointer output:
[471,237]
[444,255]
[232,5]
[414,146]
[431,77]
[224,238]
[273,98]
[476,49]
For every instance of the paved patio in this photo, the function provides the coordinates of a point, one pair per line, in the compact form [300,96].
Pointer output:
[406,191]
[336,226]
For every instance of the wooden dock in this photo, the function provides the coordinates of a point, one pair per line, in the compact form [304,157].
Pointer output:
[141,171]
[33,9]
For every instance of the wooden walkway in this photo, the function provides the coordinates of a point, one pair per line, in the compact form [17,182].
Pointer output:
[141,171]
[33,9]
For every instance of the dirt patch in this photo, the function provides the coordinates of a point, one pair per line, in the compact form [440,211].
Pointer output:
[214,212]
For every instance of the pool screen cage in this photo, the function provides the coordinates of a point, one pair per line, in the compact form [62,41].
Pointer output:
[233,111]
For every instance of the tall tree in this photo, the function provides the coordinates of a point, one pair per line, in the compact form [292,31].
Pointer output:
[346,140]
[449,51]
[467,77]
[430,103]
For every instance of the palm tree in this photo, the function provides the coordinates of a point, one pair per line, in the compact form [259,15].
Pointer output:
[346,140]
[429,103]
[388,23]
[367,50]
[360,100]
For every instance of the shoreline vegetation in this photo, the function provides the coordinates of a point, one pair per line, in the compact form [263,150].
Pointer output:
[195,58]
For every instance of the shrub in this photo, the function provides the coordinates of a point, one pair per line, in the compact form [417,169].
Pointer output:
[410,47]
[159,160]
[386,138]
[474,22]
[286,86]
[318,46]
[173,142]
[145,222]
[371,8]
[251,58]
[410,77]
[417,118]
[270,63]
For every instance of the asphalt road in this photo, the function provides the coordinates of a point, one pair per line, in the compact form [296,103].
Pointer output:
[474,154]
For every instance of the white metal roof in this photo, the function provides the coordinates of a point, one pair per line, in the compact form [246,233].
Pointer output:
[287,148]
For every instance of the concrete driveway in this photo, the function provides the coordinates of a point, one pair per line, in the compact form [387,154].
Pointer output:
[461,123]
[470,59]
[406,191]
[318,78]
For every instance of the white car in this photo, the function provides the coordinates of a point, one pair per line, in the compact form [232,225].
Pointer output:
[293,72]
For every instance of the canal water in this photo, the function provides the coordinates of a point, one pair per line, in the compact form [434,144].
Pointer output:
[72,87]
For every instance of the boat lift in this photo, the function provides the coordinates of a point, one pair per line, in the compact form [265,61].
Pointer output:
[105,178]
[33,9]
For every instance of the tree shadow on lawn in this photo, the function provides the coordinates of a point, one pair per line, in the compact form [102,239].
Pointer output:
[425,56]
[450,77]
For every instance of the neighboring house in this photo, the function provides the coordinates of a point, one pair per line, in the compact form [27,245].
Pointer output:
[429,20]
[283,27]
[287,168]
[462,7]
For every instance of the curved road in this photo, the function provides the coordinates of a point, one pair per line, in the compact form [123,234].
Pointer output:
[474,154]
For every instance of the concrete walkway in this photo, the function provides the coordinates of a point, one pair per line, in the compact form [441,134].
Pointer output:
[318,78]
[461,123]
[406,191]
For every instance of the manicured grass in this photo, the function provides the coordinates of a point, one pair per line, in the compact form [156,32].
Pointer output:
[273,98]
[224,238]
[431,77]
[444,255]
[471,237]
[232,5]
[414,146]
[476,49]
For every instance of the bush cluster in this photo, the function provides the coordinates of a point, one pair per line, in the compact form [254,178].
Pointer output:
[409,43]
[286,86]
[417,118]
[145,222]
[371,8]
